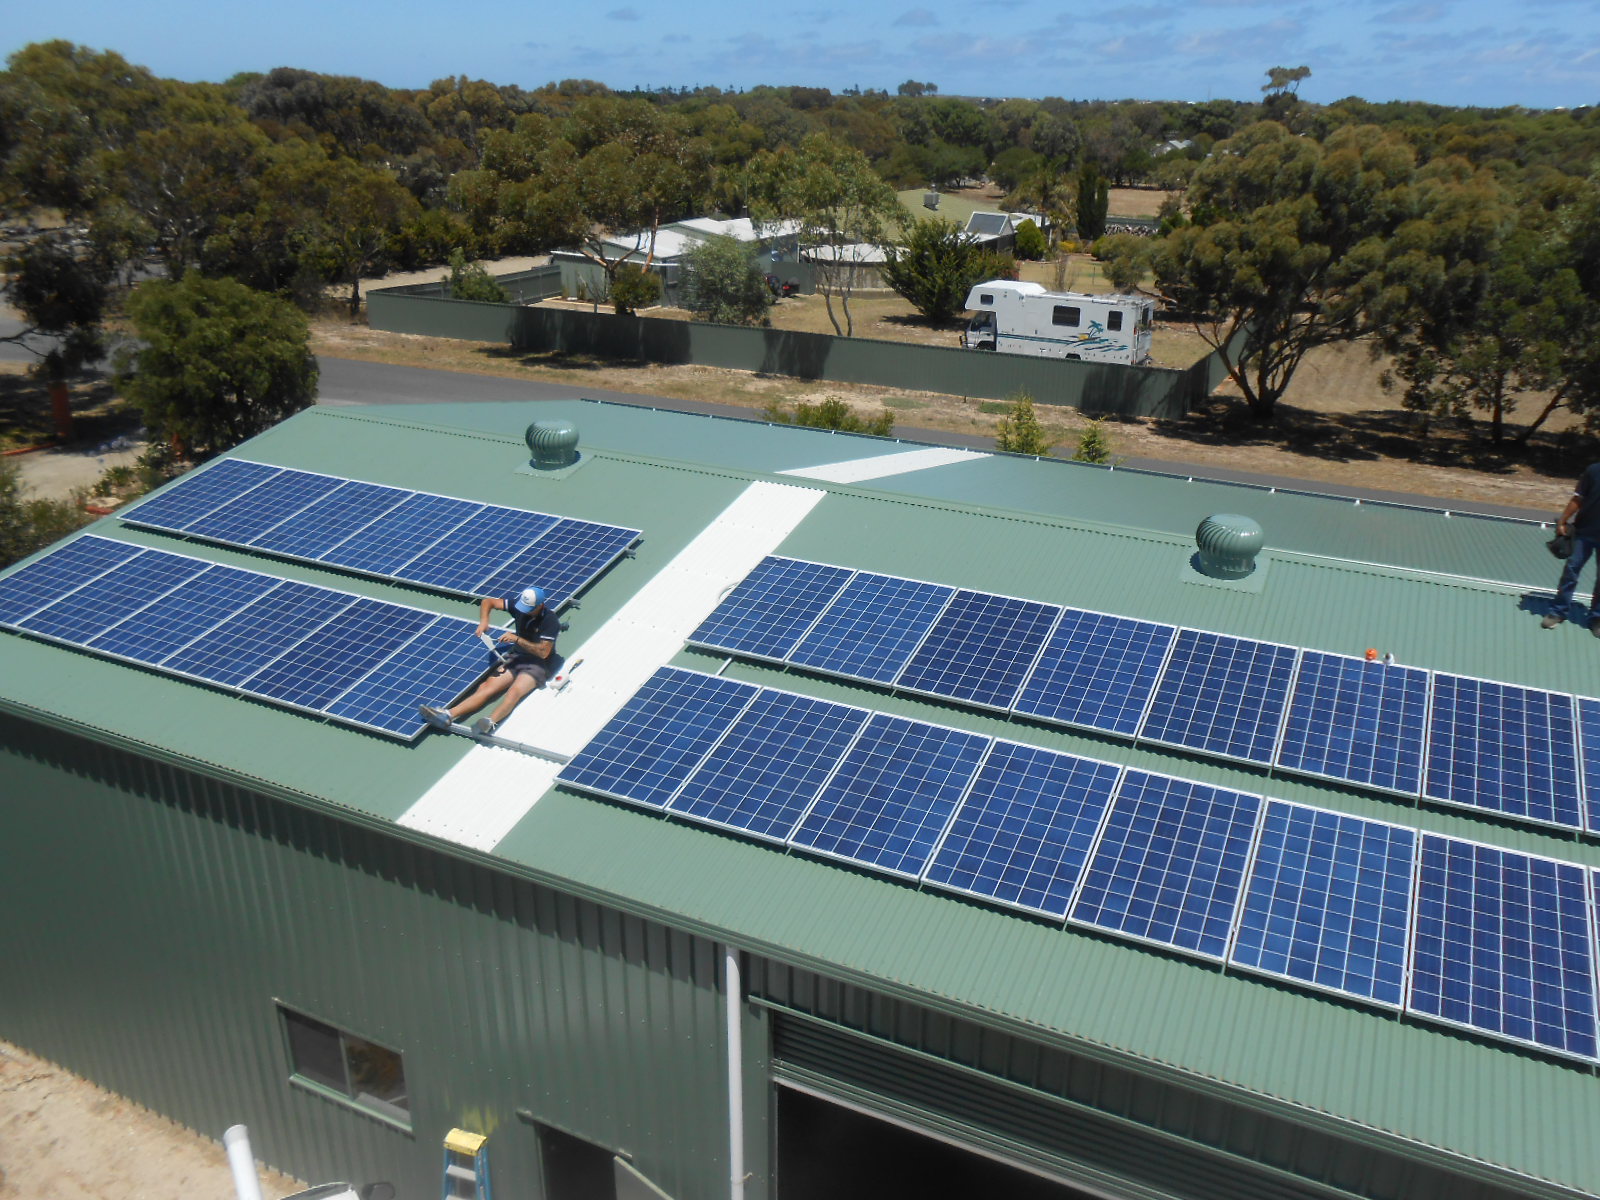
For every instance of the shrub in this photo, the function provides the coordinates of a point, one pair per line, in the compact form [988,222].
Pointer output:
[1019,431]
[470,281]
[831,414]
[1031,243]
[634,288]
[1094,443]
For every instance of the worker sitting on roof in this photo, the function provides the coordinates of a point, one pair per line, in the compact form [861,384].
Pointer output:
[527,654]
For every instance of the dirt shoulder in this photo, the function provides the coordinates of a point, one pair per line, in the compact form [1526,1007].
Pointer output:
[62,1138]
[1337,425]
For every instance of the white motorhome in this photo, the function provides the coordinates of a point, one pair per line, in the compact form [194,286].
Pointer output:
[1024,318]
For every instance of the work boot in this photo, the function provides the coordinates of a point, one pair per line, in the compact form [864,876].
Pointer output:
[483,727]
[439,718]
[1551,620]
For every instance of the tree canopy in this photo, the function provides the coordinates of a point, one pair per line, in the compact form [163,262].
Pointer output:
[216,362]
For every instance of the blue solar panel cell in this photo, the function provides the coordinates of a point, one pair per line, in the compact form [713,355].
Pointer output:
[438,666]
[562,561]
[163,628]
[658,737]
[763,775]
[1328,903]
[1169,863]
[892,795]
[1504,944]
[462,560]
[328,662]
[1589,733]
[873,628]
[125,588]
[276,499]
[770,609]
[1096,671]
[1511,750]
[1223,695]
[980,649]
[199,492]
[400,534]
[48,579]
[261,631]
[325,523]
[1022,834]
[1360,721]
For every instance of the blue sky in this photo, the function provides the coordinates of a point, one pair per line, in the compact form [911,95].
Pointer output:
[1459,52]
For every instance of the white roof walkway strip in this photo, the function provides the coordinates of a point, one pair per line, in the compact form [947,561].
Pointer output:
[483,797]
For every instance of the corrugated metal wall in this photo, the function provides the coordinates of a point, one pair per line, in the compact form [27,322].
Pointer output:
[154,918]
[1091,387]
[1088,1121]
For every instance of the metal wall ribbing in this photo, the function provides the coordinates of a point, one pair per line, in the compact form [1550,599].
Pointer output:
[155,916]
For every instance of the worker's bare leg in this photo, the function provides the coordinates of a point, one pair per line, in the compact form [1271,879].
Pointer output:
[486,691]
[520,687]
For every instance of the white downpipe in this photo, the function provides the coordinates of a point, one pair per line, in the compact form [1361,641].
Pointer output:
[243,1163]
[733,987]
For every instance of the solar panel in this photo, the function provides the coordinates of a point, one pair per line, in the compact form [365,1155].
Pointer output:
[320,526]
[1359,721]
[1169,863]
[62,571]
[658,737]
[769,610]
[874,626]
[1509,749]
[326,652]
[334,657]
[198,492]
[443,543]
[1096,671]
[437,666]
[1503,944]
[161,629]
[399,535]
[476,549]
[762,776]
[1022,834]
[892,795]
[1589,734]
[275,499]
[564,559]
[256,634]
[1328,903]
[980,649]
[127,588]
[1223,695]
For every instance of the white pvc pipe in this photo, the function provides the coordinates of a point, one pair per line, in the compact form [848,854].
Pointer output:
[733,989]
[243,1163]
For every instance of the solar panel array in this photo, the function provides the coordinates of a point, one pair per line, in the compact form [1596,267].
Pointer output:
[1523,753]
[456,546]
[350,658]
[1492,940]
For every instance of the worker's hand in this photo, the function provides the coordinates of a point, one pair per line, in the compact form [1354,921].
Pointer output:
[508,636]
[483,627]
[1561,528]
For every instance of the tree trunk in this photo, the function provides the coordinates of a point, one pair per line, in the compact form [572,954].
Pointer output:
[1555,403]
[355,296]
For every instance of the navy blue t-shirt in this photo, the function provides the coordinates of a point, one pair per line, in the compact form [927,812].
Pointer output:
[544,627]
[1586,521]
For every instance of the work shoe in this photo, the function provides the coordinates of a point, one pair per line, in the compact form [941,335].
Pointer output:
[1594,627]
[483,727]
[1551,620]
[439,718]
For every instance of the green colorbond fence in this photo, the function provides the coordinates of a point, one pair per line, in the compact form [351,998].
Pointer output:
[1089,387]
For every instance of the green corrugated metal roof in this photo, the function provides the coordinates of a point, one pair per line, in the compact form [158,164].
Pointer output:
[670,475]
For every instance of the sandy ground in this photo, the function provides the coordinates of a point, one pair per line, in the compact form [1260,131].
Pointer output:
[62,1138]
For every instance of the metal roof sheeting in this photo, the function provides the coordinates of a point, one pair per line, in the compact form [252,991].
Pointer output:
[1080,543]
